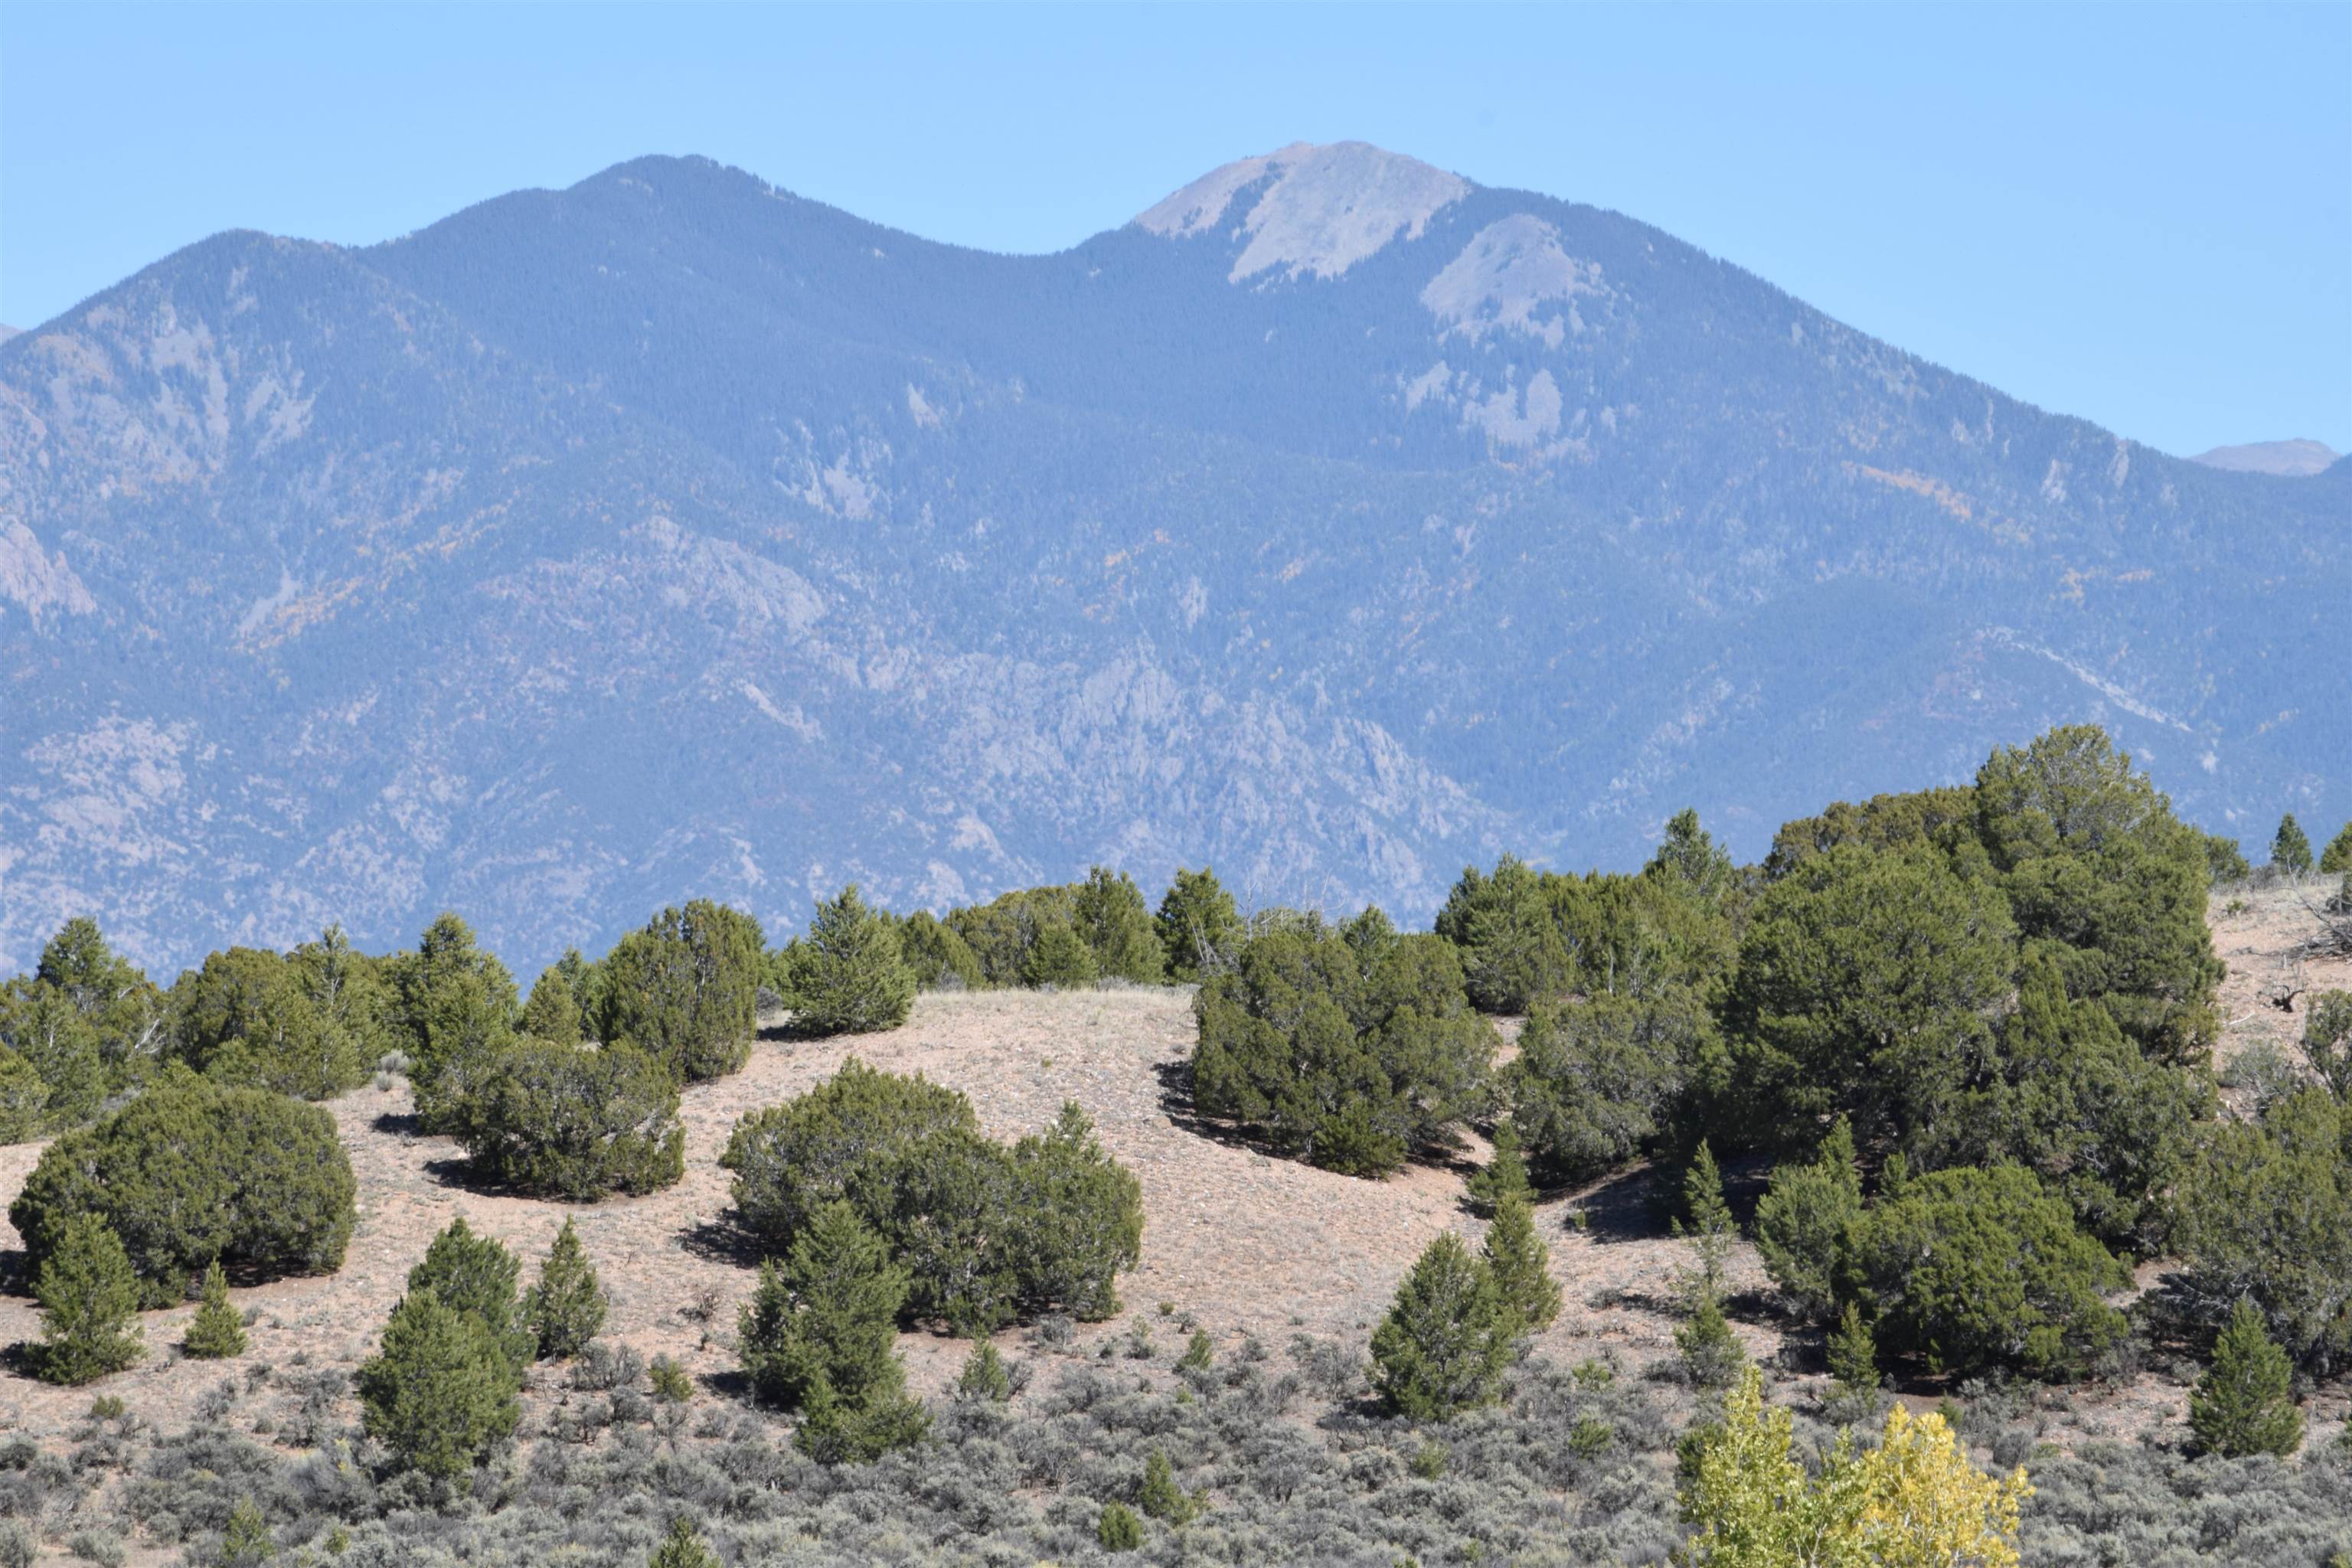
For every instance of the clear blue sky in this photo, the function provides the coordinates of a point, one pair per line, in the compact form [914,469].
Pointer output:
[2142,215]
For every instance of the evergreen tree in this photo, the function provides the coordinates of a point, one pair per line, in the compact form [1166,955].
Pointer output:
[854,979]
[2328,1042]
[552,1010]
[821,1333]
[1060,958]
[1706,1222]
[476,1275]
[1443,1345]
[1522,1266]
[983,1376]
[246,1540]
[453,1004]
[566,1308]
[1805,1223]
[2245,1402]
[685,990]
[2290,851]
[23,1097]
[1161,1498]
[1117,1528]
[2338,856]
[683,1547]
[90,1304]
[1200,1352]
[1854,1352]
[1503,1176]
[1109,913]
[1200,928]
[217,1330]
[1712,1354]
[441,1390]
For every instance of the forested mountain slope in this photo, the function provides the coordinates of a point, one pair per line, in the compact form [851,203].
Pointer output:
[1337,520]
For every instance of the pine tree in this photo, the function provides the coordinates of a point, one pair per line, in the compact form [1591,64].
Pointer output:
[682,1547]
[1200,1352]
[476,1275]
[2338,856]
[1117,1528]
[552,1012]
[1706,1223]
[566,1308]
[821,1332]
[441,1390]
[983,1376]
[1711,1352]
[1059,957]
[1161,1498]
[2290,851]
[2245,1402]
[1501,1176]
[1522,1266]
[1199,926]
[90,1304]
[216,1329]
[1854,1352]
[247,1539]
[853,978]
[1445,1341]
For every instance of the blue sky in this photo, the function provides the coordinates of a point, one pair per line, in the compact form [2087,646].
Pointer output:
[2139,215]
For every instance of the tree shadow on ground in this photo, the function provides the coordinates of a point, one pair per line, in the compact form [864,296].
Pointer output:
[723,1240]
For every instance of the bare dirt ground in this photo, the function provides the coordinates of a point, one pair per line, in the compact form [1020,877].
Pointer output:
[1234,1238]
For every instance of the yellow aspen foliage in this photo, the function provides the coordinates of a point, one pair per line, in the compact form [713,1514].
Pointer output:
[1914,1501]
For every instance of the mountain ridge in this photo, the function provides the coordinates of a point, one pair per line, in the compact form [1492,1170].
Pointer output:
[672,534]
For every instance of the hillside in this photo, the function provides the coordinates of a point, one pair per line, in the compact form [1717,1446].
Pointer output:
[1249,1247]
[1337,522]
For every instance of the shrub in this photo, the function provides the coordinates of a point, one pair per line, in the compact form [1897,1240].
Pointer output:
[1594,1078]
[476,1275]
[672,1383]
[1971,1269]
[1914,1500]
[2290,851]
[1446,1339]
[1350,1058]
[441,1390]
[1712,1355]
[190,1172]
[2225,860]
[854,979]
[217,1330]
[246,1540]
[566,1308]
[1159,1497]
[1504,1175]
[986,1232]
[936,956]
[1200,928]
[245,1018]
[90,1304]
[685,990]
[2265,1212]
[1059,957]
[575,1122]
[2245,1402]
[821,1335]
[2328,1041]
[1805,1224]
[983,1376]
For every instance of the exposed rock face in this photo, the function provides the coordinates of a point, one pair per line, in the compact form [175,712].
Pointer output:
[1336,523]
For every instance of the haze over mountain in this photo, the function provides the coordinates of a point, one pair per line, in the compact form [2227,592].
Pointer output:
[2287,459]
[1337,522]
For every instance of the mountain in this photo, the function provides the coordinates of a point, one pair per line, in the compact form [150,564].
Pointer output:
[1336,521]
[2288,459]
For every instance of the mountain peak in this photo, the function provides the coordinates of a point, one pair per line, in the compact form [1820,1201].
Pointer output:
[1319,209]
[2284,459]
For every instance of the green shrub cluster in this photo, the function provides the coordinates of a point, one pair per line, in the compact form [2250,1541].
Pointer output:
[1097,929]
[574,1121]
[985,1233]
[192,1171]
[1350,1049]
[685,990]
[85,1026]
